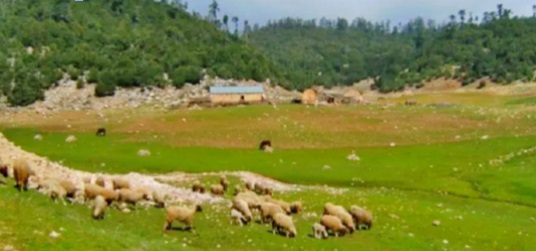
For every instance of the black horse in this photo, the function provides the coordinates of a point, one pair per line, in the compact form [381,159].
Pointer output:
[264,144]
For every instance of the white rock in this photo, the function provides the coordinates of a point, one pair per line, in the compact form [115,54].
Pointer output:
[70,139]
[54,234]
[392,144]
[38,137]
[436,223]
[144,152]
[484,137]
[445,241]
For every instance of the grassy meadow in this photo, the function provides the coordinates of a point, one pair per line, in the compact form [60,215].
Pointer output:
[417,164]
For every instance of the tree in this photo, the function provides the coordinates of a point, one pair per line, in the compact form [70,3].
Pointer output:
[235,21]
[213,10]
[461,13]
[226,22]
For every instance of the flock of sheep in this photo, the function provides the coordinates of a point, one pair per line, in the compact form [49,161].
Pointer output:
[247,200]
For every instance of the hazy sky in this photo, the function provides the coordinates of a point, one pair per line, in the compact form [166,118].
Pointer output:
[260,11]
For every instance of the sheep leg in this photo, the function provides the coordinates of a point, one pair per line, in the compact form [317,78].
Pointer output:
[167,225]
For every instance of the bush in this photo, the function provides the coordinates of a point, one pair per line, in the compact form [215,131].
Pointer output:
[106,84]
[26,91]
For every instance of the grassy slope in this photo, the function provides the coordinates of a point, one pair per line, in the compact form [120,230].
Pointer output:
[495,203]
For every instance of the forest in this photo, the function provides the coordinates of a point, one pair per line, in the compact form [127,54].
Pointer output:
[132,43]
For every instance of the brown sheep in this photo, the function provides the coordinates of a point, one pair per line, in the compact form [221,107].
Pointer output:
[283,223]
[21,172]
[224,183]
[197,187]
[242,207]
[268,210]
[334,224]
[217,189]
[283,204]
[130,197]
[249,186]
[181,214]
[69,187]
[100,181]
[99,207]
[120,183]
[341,213]
[361,217]
[91,191]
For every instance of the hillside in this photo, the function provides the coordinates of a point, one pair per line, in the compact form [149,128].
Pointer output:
[330,52]
[115,43]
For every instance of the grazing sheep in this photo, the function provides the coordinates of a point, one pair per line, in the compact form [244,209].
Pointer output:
[217,189]
[296,207]
[91,191]
[146,192]
[251,198]
[361,217]
[21,172]
[224,183]
[99,207]
[249,185]
[243,207]
[196,186]
[69,187]
[120,183]
[159,199]
[101,132]
[341,213]
[268,210]
[100,181]
[283,204]
[52,188]
[182,214]
[237,216]
[130,197]
[283,223]
[334,224]
[264,144]
[319,231]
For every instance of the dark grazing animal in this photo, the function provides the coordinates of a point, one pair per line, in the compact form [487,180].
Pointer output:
[264,144]
[101,132]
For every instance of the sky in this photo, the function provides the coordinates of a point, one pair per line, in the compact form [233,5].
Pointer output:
[260,11]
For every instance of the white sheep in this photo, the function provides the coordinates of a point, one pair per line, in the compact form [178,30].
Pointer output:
[217,189]
[99,207]
[181,214]
[268,211]
[334,224]
[341,213]
[361,217]
[283,223]
[319,231]
[242,207]
[237,216]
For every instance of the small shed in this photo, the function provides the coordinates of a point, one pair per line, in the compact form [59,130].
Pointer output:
[236,94]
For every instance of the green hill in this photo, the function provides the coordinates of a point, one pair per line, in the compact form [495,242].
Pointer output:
[115,43]
[329,52]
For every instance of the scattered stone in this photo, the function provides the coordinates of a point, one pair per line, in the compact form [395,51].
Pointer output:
[485,137]
[353,157]
[38,137]
[436,223]
[144,152]
[445,241]
[70,139]
[392,144]
[54,234]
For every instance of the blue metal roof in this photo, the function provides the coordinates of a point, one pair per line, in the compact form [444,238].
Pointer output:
[236,89]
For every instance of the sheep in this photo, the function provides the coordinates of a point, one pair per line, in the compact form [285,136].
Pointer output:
[237,216]
[159,199]
[100,181]
[130,197]
[243,207]
[283,223]
[99,207]
[319,231]
[217,189]
[91,191]
[69,187]
[53,189]
[361,217]
[101,132]
[296,207]
[21,172]
[334,224]
[196,186]
[120,183]
[251,198]
[224,183]
[341,213]
[268,210]
[146,192]
[249,185]
[283,204]
[181,214]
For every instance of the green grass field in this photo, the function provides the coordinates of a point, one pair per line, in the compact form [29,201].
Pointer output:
[439,169]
